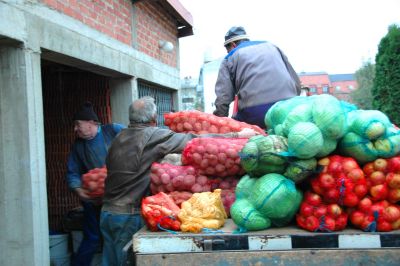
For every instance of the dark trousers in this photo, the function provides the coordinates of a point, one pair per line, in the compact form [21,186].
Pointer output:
[253,115]
[91,241]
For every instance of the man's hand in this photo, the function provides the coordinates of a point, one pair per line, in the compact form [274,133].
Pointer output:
[82,194]
[247,133]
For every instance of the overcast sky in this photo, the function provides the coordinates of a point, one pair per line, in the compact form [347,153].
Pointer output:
[316,35]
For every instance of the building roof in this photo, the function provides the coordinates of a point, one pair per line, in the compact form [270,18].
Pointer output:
[312,73]
[178,11]
[341,77]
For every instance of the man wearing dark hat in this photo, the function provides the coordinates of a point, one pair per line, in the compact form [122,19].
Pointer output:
[256,72]
[88,152]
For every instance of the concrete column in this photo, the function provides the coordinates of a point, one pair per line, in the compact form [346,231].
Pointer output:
[123,92]
[24,233]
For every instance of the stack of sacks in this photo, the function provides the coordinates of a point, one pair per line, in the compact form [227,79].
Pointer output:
[313,125]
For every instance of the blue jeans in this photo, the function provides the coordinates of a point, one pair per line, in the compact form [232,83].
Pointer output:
[91,235]
[253,115]
[117,230]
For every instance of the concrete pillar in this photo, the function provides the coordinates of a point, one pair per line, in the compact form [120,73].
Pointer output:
[24,233]
[123,92]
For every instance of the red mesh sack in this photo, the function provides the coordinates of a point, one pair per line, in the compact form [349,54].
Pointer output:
[383,179]
[316,216]
[201,123]
[341,181]
[93,182]
[373,216]
[216,157]
[160,213]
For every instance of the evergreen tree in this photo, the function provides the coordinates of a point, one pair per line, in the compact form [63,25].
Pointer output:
[386,89]
[362,97]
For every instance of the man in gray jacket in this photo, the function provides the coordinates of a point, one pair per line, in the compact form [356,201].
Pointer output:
[128,164]
[258,73]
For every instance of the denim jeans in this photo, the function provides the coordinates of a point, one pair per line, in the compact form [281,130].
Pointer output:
[91,241]
[117,230]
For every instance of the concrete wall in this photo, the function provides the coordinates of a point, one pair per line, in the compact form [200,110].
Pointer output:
[29,31]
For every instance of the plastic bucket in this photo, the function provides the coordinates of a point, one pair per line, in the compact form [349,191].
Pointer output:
[61,260]
[58,245]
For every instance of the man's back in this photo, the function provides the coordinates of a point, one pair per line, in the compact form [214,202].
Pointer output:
[259,74]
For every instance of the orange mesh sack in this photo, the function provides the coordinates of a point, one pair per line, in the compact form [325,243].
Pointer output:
[93,181]
[160,212]
[202,123]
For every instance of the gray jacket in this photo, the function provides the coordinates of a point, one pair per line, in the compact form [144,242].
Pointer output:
[259,73]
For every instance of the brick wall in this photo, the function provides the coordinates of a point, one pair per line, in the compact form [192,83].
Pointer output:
[112,17]
[153,24]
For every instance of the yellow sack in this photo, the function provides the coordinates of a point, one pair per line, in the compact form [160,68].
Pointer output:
[202,210]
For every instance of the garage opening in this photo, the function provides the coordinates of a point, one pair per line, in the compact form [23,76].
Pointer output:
[65,89]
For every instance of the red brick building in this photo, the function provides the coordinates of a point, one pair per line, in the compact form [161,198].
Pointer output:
[339,85]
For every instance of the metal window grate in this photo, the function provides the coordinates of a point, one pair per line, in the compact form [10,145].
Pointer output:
[163,97]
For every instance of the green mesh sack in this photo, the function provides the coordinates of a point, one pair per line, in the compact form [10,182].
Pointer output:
[304,140]
[329,116]
[361,149]
[279,111]
[261,155]
[246,217]
[388,146]
[369,124]
[276,197]
[327,148]
[298,170]
[301,113]
[244,187]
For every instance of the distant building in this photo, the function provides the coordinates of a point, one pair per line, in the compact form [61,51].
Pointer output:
[343,85]
[189,99]
[338,85]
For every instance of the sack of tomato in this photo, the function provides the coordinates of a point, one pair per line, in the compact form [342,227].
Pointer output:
[93,182]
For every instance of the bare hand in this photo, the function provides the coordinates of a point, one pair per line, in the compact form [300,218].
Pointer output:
[247,133]
[82,194]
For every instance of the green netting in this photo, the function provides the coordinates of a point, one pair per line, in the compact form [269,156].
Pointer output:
[280,110]
[300,113]
[305,140]
[261,155]
[327,148]
[273,198]
[298,170]
[359,148]
[247,217]
[369,124]
[244,187]
[329,116]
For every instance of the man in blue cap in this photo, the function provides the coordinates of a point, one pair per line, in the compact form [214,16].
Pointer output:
[258,73]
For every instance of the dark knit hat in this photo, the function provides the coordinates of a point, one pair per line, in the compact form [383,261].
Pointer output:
[235,34]
[86,113]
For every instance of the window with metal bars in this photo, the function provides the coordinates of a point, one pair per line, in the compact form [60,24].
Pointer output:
[163,98]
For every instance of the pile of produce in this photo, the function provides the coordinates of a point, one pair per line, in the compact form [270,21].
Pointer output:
[93,182]
[202,123]
[180,182]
